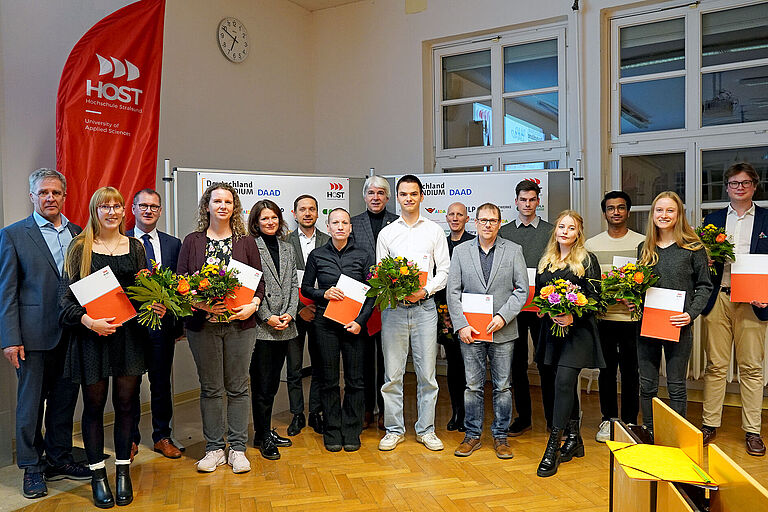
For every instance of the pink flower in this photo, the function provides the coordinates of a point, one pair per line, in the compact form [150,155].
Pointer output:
[572,297]
[554,298]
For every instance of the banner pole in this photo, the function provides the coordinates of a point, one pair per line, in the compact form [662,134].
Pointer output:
[167,185]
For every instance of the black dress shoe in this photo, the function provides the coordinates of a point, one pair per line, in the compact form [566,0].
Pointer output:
[102,494]
[282,442]
[268,448]
[297,423]
[317,422]
[452,423]
[123,487]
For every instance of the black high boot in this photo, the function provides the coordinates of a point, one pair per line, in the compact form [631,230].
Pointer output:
[102,494]
[574,444]
[124,489]
[551,458]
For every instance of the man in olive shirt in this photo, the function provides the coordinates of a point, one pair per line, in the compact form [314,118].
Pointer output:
[532,233]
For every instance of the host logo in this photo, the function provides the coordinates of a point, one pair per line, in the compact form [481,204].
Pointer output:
[112,92]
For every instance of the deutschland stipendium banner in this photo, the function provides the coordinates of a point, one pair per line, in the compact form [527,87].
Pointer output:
[108,106]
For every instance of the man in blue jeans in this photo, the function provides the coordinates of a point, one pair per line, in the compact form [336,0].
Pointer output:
[487,268]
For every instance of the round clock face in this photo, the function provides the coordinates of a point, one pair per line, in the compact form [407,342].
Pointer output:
[233,39]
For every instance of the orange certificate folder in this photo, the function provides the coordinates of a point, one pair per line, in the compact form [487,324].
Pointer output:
[102,296]
[302,298]
[347,309]
[249,278]
[422,261]
[660,305]
[531,291]
[478,310]
[749,278]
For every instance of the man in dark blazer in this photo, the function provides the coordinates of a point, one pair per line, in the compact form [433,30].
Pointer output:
[164,250]
[365,233]
[304,239]
[32,253]
[733,325]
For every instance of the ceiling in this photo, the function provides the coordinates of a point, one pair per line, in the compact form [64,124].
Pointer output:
[316,5]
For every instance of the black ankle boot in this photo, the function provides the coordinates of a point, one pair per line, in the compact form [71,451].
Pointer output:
[102,494]
[551,458]
[124,489]
[453,423]
[574,444]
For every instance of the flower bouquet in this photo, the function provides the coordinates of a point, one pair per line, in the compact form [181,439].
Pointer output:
[718,246]
[392,280]
[214,283]
[561,297]
[629,283]
[160,286]
[444,325]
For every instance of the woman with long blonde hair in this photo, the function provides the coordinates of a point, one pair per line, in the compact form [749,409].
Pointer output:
[99,348]
[566,258]
[680,260]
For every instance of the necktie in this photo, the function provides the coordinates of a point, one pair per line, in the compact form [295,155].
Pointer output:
[149,249]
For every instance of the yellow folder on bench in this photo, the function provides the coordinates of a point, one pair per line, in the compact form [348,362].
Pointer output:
[651,462]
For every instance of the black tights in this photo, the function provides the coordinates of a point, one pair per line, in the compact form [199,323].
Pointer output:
[124,390]
[566,396]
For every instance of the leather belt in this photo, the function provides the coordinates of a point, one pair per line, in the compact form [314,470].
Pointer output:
[407,304]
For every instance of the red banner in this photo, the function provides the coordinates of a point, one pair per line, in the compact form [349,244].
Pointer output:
[108,106]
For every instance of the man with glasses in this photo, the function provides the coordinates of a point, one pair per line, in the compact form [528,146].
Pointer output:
[32,253]
[163,249]
[733,325]
[618,333]
[487,265]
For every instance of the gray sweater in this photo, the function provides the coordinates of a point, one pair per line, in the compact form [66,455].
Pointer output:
[532,240]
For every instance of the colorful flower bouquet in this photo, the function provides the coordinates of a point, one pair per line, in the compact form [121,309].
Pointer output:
[718,246]
[160,286]
[561,297]
[392,280]
[212,284]
[629,283]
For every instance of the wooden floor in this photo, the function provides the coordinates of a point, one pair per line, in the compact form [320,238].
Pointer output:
[409,478]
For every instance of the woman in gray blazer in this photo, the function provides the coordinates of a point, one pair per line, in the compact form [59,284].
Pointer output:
[277,325]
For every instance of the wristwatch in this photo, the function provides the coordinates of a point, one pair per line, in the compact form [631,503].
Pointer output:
[426,294]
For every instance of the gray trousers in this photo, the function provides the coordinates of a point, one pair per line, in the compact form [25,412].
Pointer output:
[222,353]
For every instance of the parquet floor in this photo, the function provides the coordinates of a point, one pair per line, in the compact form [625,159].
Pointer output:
[409,478]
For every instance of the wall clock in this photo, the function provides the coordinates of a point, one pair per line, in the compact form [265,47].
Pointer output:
[233,39]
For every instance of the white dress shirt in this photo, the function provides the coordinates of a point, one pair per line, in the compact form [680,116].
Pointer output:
[740,231]
[424,237]
[307,243]
[154,239]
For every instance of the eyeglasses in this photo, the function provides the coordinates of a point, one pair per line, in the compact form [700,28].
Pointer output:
[154,208]
[619,208]
[487,222]
[744,184]
[106,208]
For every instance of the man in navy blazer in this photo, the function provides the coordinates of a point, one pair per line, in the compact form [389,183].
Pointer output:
[732,325]
[32,253]
[163,249]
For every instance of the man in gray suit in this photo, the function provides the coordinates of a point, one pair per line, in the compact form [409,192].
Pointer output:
[32,255]
[487,265]
[303,240]
[365,233]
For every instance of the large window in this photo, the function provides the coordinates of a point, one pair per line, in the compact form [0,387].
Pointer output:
[500,103]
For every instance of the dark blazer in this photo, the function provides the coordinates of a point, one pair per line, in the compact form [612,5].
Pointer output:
[759,245]
[29,285]
[281,292]
[293,239]
[362,234]
[192,259]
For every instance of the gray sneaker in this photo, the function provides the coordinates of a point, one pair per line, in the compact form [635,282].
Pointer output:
[604,432]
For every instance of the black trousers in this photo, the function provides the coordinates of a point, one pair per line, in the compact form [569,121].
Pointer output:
[374,372]
[266,363]
[40,382]
[159,352]
[619,343]
[566,405]
[457,382]
[343,421]
[528,321]
[295,365]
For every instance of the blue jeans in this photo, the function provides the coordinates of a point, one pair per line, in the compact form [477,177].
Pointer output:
[649,362]
[416,324]
[499,356]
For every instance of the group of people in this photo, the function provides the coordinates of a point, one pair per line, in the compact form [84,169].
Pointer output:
[57,348]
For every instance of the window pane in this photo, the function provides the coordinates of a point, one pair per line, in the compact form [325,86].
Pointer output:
[476,168]
[643,177]
[715,163]
[735,35]
[638,221]
[738,96]
[652,48]
[467,75]
[653,105]
[530,118]
[530,66]
[532,166]
[467,125]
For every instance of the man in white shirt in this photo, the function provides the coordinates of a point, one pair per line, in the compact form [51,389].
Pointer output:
[414,320]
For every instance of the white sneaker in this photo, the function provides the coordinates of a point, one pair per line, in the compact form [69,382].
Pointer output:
[604,433]
[389,441]
[211,461]
[431,441]
[238,461]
